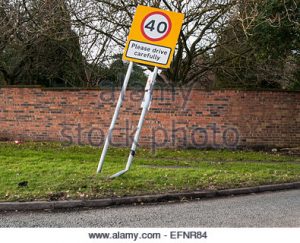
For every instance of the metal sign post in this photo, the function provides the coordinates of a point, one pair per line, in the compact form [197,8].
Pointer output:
[114,119]
[146,104]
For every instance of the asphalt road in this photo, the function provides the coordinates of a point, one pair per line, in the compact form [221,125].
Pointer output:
[276,209]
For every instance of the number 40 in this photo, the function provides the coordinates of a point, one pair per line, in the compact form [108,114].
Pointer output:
[160,28]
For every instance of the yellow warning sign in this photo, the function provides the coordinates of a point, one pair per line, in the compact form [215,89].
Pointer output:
[153,36]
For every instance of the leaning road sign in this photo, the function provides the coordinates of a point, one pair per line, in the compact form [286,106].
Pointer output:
[153,37]
[152,41]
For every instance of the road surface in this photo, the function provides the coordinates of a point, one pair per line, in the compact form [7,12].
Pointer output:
[276,209]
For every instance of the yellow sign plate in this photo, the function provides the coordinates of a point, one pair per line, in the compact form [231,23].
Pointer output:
[153,36]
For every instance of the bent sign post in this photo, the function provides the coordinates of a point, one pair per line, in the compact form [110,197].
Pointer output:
[152,40]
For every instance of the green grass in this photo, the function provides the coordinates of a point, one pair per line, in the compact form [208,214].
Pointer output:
[54,171]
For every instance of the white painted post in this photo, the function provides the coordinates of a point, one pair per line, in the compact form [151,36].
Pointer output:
[147,101]
[114,119]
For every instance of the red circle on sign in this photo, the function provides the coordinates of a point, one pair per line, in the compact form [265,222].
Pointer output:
[167,32]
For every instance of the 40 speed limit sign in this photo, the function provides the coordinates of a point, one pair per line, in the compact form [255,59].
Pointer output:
[151,41]
[153,37]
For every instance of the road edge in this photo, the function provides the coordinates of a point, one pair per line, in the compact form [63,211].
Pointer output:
[107,202]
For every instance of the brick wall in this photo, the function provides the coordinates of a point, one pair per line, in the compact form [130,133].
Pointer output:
[189,118]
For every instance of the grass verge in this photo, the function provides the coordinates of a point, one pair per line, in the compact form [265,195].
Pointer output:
[52,171]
